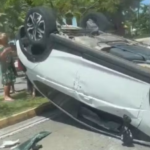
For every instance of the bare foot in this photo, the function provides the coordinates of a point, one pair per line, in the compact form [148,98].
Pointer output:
[8,99]
[33,94]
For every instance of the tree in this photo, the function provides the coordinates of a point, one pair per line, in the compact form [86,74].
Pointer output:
[13,16]
[142,22]
[12,12]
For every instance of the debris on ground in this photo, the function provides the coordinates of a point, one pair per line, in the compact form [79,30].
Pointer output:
[32,142]
[8,144]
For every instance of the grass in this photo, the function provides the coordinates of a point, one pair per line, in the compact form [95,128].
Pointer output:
[22,102]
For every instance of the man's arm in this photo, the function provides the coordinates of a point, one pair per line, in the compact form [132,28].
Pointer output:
[13,65]
[14,70]
[4,53]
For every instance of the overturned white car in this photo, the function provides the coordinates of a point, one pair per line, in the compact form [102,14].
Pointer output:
[100,72]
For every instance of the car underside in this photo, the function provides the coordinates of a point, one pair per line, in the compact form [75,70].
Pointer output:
[104,78]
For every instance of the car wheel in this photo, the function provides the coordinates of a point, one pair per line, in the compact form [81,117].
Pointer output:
[99,19]
[40,22]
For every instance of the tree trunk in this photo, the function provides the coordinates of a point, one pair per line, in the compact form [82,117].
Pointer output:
[118,20]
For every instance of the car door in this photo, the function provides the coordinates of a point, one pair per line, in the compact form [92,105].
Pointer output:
[60,70]
[110,91]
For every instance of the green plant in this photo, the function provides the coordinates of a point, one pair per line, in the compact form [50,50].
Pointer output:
[22,102]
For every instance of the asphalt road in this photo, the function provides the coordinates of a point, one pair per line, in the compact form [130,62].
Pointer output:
[66,134]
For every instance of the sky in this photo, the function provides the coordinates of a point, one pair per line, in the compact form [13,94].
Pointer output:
[146,1]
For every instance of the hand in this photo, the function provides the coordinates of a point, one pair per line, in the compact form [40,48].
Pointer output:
[4,53]
[8,50]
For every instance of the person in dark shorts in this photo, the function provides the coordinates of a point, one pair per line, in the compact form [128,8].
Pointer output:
[13,46]
[6,62]
[30,87]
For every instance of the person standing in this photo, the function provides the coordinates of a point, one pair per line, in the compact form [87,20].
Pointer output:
[6,62]
[13,47]
[30,87]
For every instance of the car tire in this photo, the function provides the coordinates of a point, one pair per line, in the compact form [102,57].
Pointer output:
[40,22]
[99,19]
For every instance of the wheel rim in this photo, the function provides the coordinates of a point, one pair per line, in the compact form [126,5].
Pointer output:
[35,26]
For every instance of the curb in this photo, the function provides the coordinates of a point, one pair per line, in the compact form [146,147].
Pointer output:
[16,118]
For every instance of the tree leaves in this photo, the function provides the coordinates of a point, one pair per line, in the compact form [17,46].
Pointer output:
[13,12]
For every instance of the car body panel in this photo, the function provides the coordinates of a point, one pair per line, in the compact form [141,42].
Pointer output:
[97,79]
[106,89]
[90,83]
[62,71]
[24,59]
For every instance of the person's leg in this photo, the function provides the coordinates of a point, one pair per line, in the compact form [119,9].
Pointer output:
[7,93]
[7,81]
[33,91]
[13,88]
[29,86]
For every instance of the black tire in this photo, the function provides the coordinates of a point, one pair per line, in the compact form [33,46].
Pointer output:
[47,24]
[99,19]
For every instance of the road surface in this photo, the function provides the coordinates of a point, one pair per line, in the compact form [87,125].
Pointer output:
[66,134]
